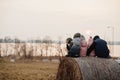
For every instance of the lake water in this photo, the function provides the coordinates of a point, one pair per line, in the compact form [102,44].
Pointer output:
[114,50]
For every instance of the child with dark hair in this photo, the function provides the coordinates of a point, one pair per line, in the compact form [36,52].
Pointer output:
[75,49]
[68,45]
[100,47]
[77,35]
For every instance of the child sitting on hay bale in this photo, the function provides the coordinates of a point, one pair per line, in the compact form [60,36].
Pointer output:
[83,48]
[100,47]
[90,42]
[68,45]
[75,49]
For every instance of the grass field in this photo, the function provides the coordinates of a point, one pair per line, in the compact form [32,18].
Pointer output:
[30,70]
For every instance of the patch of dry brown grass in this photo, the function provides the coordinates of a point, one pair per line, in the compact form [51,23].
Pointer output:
[28,70]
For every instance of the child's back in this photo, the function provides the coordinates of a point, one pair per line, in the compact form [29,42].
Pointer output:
[83,49]
[75,49]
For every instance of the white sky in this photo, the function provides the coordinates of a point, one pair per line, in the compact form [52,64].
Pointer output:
[39,18]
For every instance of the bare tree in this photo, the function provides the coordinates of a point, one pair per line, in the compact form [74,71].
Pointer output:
[60,42]
[17,51]
[35,49]
[17,46]
[0,49]
[23,49]
[59,47]
[30,53]
[6,50]
[7,39]
[47,40]
[41,50]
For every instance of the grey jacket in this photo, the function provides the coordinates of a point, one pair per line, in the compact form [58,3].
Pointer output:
[76,42]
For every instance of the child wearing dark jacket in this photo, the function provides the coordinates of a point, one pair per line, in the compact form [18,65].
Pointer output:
[75,49]
[68,45]
[100,47]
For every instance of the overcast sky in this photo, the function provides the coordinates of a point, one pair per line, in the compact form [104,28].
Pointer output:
[27,19]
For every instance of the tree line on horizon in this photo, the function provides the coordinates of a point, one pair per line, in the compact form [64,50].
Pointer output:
[47,39]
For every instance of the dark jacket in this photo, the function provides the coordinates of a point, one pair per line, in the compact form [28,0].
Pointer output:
[68,46]
[100,47]
[74,51]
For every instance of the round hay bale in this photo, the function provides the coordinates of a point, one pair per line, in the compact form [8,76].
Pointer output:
[88,68]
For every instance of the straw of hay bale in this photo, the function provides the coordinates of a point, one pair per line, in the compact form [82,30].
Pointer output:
[88,68]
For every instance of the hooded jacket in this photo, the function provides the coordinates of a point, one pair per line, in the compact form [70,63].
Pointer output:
[100,47]
[75,49]
[83,49]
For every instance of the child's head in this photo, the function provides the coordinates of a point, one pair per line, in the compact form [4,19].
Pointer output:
[96,37]
[82,37]
[90,37]
[77,35]
[68,40]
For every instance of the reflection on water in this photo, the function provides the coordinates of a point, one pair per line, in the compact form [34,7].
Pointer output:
[41,49]
[114,50]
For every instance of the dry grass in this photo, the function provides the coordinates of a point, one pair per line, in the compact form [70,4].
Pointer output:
[28,70]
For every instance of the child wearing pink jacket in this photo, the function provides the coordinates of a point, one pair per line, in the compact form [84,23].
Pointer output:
[83,49]
[90,41]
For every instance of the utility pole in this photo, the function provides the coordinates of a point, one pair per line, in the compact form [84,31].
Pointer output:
[112,41]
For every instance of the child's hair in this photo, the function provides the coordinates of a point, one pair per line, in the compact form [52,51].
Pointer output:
[68,40]
[82,37]
[96,37]
[77,35]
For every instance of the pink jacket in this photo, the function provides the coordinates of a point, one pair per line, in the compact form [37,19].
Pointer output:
[83,49]
[90,41]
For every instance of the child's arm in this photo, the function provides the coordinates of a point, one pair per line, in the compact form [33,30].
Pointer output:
[91,48]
